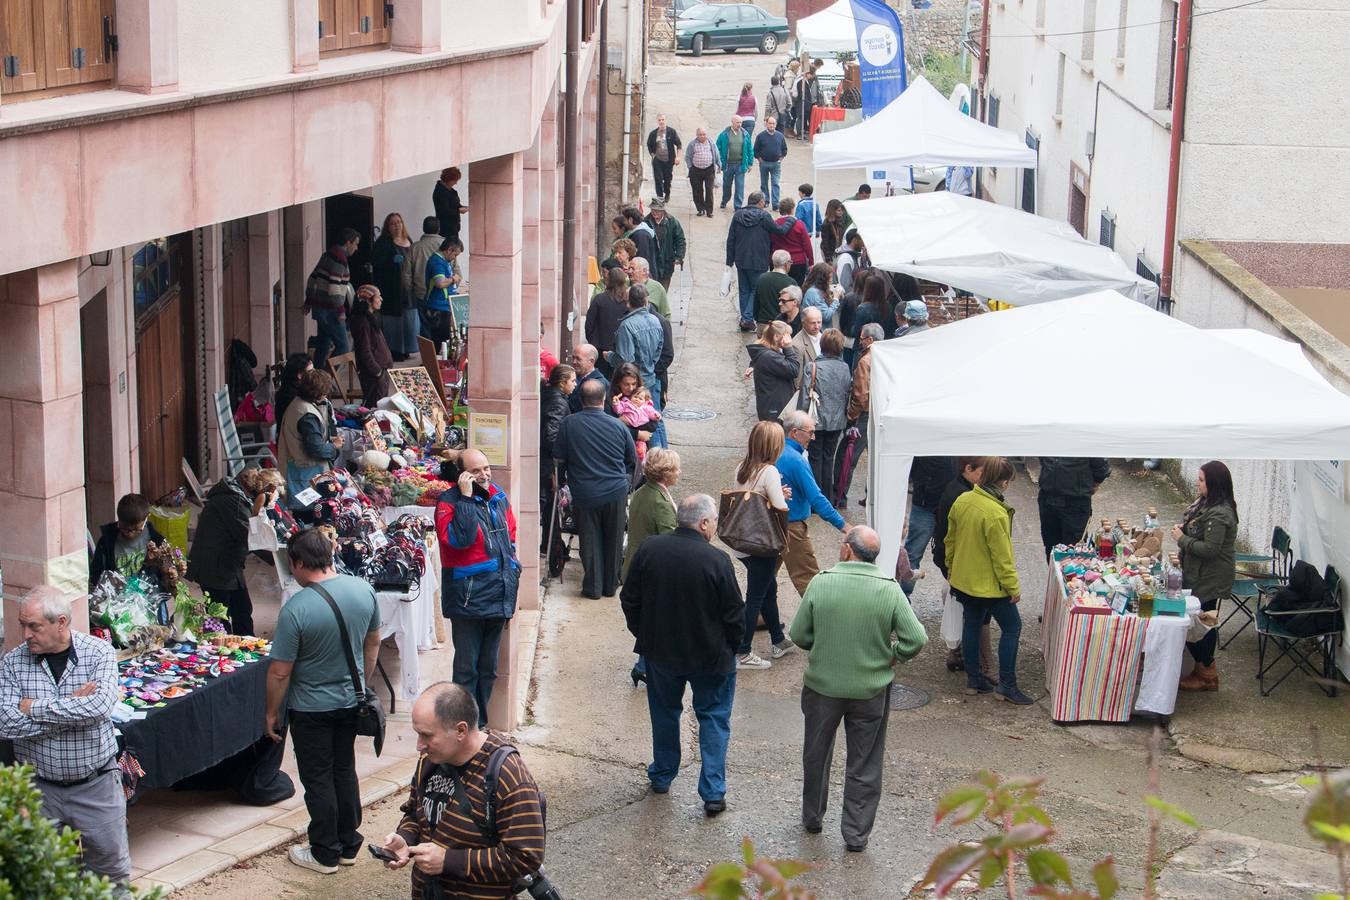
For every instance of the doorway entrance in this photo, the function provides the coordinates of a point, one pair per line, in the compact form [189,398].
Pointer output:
[234,275]
[356,212]
[100,494]
[1078,188]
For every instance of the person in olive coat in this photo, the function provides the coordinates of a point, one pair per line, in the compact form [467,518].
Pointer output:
[220,546]
[1207,536]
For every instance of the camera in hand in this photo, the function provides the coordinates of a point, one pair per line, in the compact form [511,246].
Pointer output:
[538,886]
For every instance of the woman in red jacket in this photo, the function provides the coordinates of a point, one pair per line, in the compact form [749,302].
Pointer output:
[797,241]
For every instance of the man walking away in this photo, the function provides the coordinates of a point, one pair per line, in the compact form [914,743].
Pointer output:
[328,296]
[770,149]
[748,249]
[846,621]
[641,234]
[310,673]
[683,605]
[703,162]
[778,104]
[670,244]
[769,285]
[799,555]
[480,573]
[735,154]
[808,210]
[57,693]
[414,275]
[1065,498]
[599,458]
[456,848]
[664,146]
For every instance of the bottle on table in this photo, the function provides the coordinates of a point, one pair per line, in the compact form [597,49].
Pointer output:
[1145,596]
[1151,519]
[1173,588]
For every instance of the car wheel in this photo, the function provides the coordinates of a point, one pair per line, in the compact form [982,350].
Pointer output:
[768,43]
[696,48]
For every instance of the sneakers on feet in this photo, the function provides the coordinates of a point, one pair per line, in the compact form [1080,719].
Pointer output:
[348,860]
[752,661]
[782,648]
[303,857]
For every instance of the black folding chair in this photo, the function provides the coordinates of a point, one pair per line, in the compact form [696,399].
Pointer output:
[1247,589]
[1308,637]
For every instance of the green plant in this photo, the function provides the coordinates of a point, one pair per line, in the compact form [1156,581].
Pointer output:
[1327,818]
[772,878]
[844,57]
[37,857]
[943,71]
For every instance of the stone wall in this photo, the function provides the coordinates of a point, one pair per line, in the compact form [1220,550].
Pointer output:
[934,30]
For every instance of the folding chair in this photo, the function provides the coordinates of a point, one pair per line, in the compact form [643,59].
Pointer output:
[237,454]
[1247,589]
[1316,628]
[343,369]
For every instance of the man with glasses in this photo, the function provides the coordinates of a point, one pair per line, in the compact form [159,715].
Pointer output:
[122,542]
[799,555]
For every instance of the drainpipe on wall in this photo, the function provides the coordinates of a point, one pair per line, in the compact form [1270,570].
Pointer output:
[601,132]
[1174,156]
[624,178]
[570,145]
[984,62]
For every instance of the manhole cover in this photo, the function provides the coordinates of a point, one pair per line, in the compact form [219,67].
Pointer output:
[903,697]
[687,414]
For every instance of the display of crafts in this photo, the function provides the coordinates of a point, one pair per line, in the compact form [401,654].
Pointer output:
[416,483]
[152,678]
[1121,569]
[392,556]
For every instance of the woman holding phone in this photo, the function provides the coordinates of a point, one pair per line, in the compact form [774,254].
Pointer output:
[220,546]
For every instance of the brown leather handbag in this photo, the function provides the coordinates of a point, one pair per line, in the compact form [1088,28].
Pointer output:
[748,523]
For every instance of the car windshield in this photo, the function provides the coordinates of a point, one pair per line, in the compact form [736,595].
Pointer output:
[700,11]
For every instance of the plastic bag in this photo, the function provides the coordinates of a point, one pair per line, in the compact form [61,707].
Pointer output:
[717,178]
[725,287]
[953,619]
[172,524]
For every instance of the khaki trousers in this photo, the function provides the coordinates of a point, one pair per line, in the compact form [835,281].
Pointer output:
[799,556]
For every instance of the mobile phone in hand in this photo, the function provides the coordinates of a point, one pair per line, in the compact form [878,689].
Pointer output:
[381,854]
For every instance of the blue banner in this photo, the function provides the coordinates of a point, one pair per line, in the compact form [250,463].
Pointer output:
[881,54]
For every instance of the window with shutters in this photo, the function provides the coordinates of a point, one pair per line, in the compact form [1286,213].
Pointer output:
[353,25]
[55,46]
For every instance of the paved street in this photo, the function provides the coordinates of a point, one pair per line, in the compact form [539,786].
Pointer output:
[587,739]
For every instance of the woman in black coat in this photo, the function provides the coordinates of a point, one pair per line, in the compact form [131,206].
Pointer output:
[774,365]
[553,408]
[220,546]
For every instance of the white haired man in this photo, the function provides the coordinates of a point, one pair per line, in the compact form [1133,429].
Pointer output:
[57,692]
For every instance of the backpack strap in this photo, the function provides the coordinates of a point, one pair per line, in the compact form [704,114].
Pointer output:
[490,778]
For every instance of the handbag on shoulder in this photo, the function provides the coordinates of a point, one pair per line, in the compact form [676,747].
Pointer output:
[748,523]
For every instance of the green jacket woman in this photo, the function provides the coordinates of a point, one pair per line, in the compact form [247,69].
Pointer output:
[979,546]
[651,511]
[1206,537]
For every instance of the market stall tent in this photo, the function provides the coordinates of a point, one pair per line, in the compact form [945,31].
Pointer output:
[991,250]
[919,128]
[1018,383]
[829,31]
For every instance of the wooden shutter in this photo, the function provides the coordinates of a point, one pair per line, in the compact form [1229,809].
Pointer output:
[362,23]
[73,41]
[20,47]
[329,29]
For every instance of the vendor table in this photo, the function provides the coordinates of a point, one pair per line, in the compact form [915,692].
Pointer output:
[222,718]
[821,114]
[1103,668]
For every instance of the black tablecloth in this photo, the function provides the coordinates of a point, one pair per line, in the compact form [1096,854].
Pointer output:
[191,734]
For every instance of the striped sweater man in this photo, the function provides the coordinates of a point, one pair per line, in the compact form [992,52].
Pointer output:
[855,622]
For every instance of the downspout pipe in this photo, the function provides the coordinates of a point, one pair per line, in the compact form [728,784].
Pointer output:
[1183,56]
[984,62]
[570,148]
[601,131]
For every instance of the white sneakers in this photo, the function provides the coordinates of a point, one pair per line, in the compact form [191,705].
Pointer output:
[752,660]
[303,857]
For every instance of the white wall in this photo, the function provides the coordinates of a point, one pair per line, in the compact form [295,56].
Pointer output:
[411,198]
[467,26]
[226,43]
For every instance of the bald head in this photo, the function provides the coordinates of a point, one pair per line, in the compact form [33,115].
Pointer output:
[592,394]
[863,544]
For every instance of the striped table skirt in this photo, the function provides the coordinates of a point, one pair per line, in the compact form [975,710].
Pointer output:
[1092,662]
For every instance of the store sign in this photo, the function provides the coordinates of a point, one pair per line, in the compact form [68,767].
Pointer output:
[487,432]
[881,54]
[1330,474]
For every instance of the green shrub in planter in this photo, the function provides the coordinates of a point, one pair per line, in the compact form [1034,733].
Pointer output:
[38,858]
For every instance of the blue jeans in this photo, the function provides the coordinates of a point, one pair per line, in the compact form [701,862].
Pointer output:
[745,285]
[922,523]
[979,610]
[659,438]
[768,180]
[475,664]
[712,705]
[738,179]
[400,332]
[761,597]
[332,337]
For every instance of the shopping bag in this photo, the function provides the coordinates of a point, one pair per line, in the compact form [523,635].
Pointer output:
[172,524]
[717,179]
[725,288]
[953,619]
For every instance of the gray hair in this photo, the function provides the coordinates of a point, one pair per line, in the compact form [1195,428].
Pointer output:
[694,509]
[755,198]
[640,262]
[588,351]
[809,311]
[51,602]
[795,293]
[781,259]
[795,419]
[864,543]
[874,331]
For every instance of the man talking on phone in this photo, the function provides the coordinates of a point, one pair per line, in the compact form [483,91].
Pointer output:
[480,573]
[458,843]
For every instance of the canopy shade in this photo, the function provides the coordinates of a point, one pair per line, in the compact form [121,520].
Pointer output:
[828,31]
[1027,382]
[919,128]
[990,250]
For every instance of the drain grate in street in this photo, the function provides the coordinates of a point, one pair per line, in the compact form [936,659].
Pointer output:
[688,414]
[904,697]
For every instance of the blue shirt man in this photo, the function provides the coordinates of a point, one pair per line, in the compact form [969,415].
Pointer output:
[799,555]
[438,298]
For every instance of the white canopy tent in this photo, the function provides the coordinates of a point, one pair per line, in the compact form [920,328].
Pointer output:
[919,128]
[1003,383]
[828,31]
[990,250]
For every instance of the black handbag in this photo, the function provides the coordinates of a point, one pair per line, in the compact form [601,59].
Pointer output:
[369,709]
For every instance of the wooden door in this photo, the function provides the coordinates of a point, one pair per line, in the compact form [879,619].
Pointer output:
[362,23]
[234,276]
[20,45]
[73,39]
[329,30]
[162,399]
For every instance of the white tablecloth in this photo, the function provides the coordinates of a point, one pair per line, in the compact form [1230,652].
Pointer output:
[1164,648]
